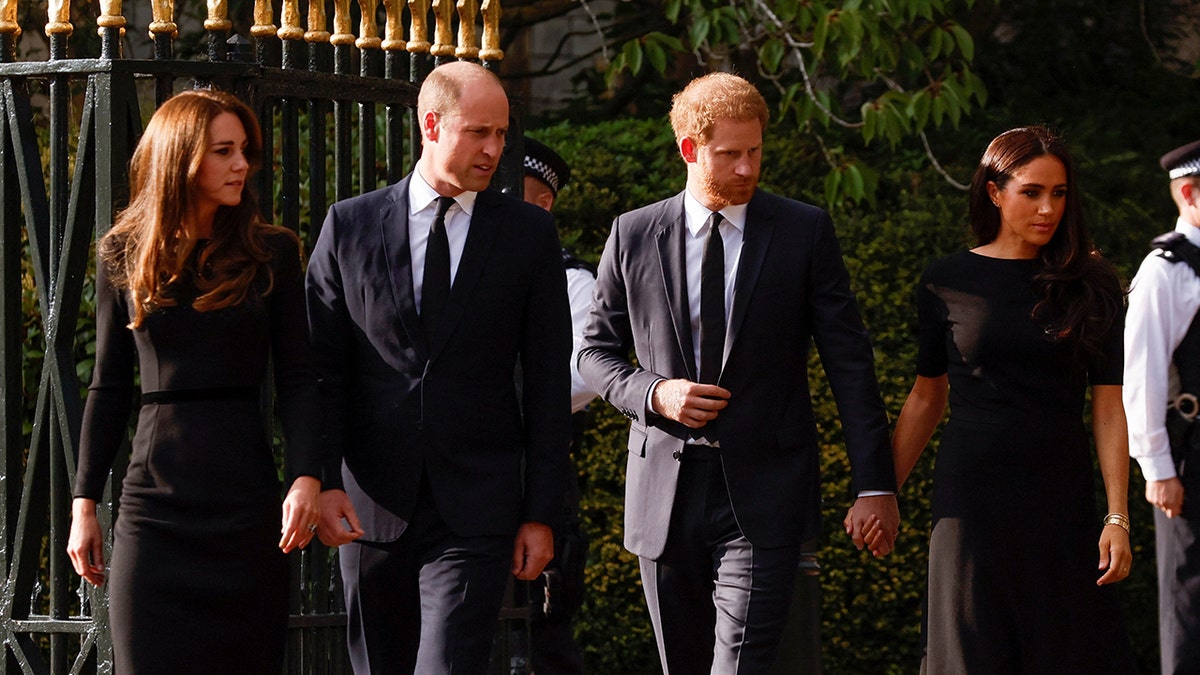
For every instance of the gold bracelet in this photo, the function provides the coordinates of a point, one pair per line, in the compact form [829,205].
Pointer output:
[1119,519]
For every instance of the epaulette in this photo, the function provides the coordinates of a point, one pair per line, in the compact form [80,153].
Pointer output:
[1175,248]
[574,262]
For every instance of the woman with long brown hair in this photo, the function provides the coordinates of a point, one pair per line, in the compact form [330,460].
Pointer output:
[1012,334]
[197,294]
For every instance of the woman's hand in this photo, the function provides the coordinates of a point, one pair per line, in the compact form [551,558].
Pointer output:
[85,546]
[300,514]
[1115,554]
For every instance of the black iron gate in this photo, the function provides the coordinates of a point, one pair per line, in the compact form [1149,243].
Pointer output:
[333,109]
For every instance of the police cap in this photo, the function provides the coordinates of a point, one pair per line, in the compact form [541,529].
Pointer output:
[1182,161]
[544,164]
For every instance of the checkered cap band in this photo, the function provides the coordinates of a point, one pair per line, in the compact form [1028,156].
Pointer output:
[1188,168]
[543,170]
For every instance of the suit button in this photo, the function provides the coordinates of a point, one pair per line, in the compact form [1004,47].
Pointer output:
[675,455]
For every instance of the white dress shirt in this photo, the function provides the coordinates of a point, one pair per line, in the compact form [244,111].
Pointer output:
[1163,300]
[422,208]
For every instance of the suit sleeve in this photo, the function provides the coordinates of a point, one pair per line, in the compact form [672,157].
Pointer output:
[849,363]
[329,325]
[546,388]
[295,373]
[604,361]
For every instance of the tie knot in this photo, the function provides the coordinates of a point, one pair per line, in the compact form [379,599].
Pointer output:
[714,223]
[443,205]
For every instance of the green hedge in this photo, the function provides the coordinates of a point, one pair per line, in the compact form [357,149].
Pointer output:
[871,608]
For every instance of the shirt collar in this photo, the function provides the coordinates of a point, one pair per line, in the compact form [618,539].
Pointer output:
[1188,230]
[422,196]
[697,214]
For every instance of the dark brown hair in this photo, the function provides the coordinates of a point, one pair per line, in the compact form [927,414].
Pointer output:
[1079,293]
[147,250]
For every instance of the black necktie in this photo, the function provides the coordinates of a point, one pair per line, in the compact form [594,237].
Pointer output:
[435,288]
[712,303]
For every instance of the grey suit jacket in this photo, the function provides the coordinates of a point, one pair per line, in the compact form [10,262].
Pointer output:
[792,290]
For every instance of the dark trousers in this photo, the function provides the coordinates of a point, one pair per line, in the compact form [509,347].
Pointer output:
[426,603]
[717,602]
[1178,556]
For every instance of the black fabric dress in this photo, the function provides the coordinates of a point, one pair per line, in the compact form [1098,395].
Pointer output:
[1013,554]
[197,583]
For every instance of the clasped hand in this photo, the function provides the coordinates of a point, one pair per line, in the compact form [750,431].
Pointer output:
[874,522]
[690,403]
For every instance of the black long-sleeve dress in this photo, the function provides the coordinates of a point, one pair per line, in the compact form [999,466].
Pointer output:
[197,583]
[1013,554]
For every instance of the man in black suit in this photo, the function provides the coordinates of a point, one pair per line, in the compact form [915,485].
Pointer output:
[719,291]
[423,299]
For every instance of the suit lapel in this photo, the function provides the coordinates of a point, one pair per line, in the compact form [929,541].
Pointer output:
[393,230]
[760,225]
[480,236]
[669,238]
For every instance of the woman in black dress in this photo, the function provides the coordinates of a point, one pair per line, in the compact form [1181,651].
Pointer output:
[194,291]
[1012,334]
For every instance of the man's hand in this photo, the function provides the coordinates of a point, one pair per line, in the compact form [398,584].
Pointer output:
[874,522]
[1166,495]
[690,403]
[335,505]
[533,549]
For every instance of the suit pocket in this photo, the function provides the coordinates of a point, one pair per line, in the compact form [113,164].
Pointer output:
[637,440]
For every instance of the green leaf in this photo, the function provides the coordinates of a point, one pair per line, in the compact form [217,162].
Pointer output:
[966,44]
[870,121]
[853,187]
[656,56]
[938,108]
[698,31]
[820,35]
[786,10]
[771,54]
[633,55]
[918,109]
[833,183]
[672,10]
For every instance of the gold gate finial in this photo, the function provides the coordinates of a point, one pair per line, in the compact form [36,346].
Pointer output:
[368,29]
[59,14]
[443,14]
[317,24]
[110,15]
[163,12]
[491,32]
[418,33]
[264,25]
[290,30]
[468,43]
[394,37]
[218,15]
[341,23]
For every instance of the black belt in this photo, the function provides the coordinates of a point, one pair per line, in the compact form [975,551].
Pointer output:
[207,394]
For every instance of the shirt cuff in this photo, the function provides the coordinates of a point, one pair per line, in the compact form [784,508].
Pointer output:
[650,397]
[1157,467]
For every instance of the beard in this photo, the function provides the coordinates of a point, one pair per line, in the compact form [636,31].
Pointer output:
[737,190]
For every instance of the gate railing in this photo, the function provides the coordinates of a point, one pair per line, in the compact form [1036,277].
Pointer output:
[333,110]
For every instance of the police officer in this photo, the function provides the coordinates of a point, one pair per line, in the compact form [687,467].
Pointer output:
[1162,381]
[557,594]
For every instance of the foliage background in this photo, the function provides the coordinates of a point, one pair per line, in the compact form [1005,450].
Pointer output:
[1077,66]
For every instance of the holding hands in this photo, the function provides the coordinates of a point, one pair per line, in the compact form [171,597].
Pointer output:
[874,522]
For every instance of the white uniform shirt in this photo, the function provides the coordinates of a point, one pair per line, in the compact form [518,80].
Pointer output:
[1163,300]
[580,285]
